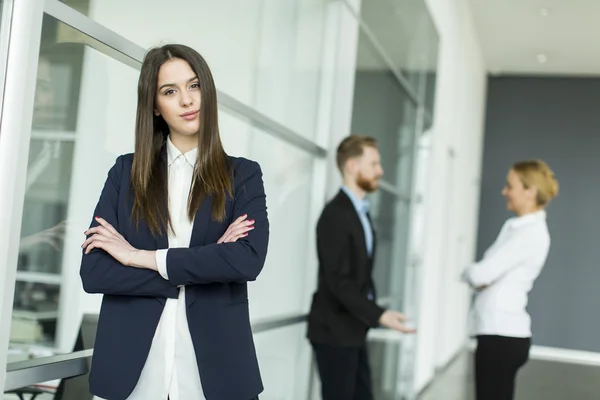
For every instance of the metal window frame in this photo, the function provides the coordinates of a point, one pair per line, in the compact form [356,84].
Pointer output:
[30,372]
[402,80]
[381,52]
[5,29]
[22,55]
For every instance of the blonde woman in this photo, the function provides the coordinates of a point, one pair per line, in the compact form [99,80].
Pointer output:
[504,277]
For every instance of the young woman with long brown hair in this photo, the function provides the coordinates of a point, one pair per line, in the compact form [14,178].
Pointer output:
[179,230]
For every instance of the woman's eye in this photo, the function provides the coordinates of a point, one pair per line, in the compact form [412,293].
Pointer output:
[169,92]
[195,85]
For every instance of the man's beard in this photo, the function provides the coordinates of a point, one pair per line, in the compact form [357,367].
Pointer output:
[368,185]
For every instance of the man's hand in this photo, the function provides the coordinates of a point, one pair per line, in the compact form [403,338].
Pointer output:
[238,229]
[395,320]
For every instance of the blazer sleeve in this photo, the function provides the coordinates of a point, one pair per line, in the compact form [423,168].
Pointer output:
[101,273]
[334,254]
[240,261]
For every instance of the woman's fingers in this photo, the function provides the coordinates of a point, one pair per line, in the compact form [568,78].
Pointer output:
[97,237]
[107,226]
[241,230]
[94,244]
[234,238]
[89,240]
[99,230]
[234,235]
[242,225]
[239,226]
[240,219]
[104,229]
[237,232]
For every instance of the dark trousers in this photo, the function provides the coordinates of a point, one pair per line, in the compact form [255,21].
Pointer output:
[497,361]
[344,372]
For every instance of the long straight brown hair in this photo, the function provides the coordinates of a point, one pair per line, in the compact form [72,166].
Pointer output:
[213,171]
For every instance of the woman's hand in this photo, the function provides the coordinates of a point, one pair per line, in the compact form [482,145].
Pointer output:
[107,238]
[238,229]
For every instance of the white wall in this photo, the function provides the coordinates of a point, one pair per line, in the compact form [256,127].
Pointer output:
[452,195]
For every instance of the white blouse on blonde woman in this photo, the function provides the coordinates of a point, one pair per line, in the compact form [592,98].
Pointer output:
[507,271]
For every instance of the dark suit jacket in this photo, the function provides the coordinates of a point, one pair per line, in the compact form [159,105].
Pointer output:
[216,293]
[341,311]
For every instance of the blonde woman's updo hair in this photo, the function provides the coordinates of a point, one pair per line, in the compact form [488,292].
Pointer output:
[536,173]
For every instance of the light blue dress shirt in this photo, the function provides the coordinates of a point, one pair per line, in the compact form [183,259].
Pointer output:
[362,208]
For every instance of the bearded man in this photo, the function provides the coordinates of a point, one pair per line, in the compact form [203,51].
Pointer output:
[343,307]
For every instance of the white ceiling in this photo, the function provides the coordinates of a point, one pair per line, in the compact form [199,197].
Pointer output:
[514,34]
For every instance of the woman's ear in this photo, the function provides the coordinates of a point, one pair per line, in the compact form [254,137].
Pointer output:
[532,193]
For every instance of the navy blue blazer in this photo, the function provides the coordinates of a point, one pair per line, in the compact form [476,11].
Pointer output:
[216,276]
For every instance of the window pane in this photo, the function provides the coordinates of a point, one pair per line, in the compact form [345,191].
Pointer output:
[402,29]
[383,356]
[383,110]
[267,54]
[282,286]
[84,114]
[84,117]
[390,219]
[383,215]
[431,70]
[285,357]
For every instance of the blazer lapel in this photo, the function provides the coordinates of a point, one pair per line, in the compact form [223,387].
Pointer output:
[162,240]
[202,221]
[357,223]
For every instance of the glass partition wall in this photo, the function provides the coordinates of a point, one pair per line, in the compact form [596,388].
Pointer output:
[394,84]
[277,80]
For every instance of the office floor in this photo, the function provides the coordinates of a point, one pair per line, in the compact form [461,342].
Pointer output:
[538,380]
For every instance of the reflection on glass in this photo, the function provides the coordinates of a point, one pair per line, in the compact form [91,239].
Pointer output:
[384,222]
[404,31]
[382,109]
[285,356]
[391,222]
[73,143]
[383,357]
[431,70]
[47,191]
[287,175]
[71,388]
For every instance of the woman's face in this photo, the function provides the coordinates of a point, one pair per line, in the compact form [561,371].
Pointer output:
[519,199]
[178,98]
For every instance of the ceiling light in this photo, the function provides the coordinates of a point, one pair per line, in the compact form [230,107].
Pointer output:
[544,12]
[542,58]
